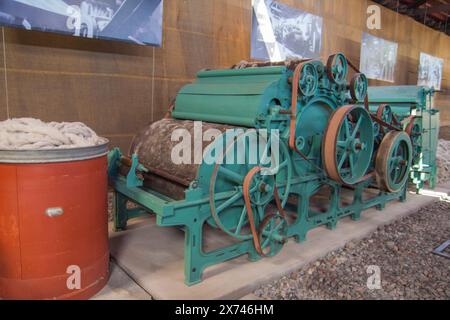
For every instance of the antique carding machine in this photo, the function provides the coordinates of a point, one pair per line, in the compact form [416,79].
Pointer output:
[322,152]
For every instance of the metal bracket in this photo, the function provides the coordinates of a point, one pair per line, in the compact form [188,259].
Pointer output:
[113,162]
[440,250]
[133,181]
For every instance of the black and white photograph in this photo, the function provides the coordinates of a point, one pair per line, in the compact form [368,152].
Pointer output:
[378,58]
[430,71]
[136,21]
[281,32]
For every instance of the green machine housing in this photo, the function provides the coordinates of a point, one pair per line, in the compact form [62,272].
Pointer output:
[318,156]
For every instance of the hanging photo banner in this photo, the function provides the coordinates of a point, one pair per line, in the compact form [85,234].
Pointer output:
[430,71]
[281,32]
[137,21]
[378,58]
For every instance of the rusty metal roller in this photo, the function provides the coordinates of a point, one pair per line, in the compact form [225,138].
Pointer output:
[154,147]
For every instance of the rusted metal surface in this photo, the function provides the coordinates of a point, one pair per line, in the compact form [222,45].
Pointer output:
[154,147]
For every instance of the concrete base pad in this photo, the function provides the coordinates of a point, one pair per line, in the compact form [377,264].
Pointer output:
[121,287]
[153,256]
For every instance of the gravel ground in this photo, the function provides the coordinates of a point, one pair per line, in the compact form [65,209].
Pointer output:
[402,251]
[444,133]
[443,161]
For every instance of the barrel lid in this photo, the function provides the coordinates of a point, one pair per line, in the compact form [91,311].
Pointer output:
[54,155]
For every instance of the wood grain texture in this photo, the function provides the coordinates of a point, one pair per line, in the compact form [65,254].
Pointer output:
[53,52]
[3,110]
[165,93]
[3,100]
[117,88]
[109,105]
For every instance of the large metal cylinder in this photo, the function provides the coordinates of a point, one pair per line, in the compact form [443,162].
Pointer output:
[53,223]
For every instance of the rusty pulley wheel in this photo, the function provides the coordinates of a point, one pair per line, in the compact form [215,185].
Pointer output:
[385,114]
[348,144]
[393,161]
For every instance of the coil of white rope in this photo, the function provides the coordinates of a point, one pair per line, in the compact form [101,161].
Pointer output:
[34,134]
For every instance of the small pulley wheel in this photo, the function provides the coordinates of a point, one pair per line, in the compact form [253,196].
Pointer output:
[273,234]
[393,161]
[337,68]
[348,144]
[385,114]
[309,80]
[414,130]
[358,87]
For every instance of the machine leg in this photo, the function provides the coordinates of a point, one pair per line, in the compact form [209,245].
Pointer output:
[253,256]
[381,206]
[120,212]
[404,194]
[193,267]
[433,180]
[300,227]
[332,225]
[356,216]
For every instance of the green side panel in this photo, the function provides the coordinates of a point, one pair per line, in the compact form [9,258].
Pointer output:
[430,137]
[398,94]
[402,99]
[233,110]
[234,97]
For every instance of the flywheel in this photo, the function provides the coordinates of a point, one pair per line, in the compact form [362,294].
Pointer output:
[229,210]
[393,161]
[348,144]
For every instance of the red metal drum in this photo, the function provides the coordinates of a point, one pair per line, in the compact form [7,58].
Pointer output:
[53,223]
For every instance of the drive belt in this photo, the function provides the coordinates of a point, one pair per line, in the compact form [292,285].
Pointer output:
[248,204]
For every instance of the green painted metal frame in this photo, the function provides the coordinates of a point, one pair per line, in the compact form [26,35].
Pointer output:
[193,213]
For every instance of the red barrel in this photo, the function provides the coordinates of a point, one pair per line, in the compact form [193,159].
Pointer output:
[53,223]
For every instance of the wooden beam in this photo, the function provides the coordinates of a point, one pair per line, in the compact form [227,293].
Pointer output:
[417,4]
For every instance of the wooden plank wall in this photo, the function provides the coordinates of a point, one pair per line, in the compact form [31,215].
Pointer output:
[117,88]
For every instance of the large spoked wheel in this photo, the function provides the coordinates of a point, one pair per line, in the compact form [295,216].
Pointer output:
[393,161]
[348,144]
[309,80]
[337,68]
[227,204]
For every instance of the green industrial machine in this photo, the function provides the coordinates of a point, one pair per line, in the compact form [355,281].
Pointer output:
[313,154]
[412,108]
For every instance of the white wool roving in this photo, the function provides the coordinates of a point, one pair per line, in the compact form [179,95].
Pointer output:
[34,134]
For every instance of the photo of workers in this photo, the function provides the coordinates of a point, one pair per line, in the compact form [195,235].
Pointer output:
[378,58]
[136,21]
[281,32]
[430,71]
